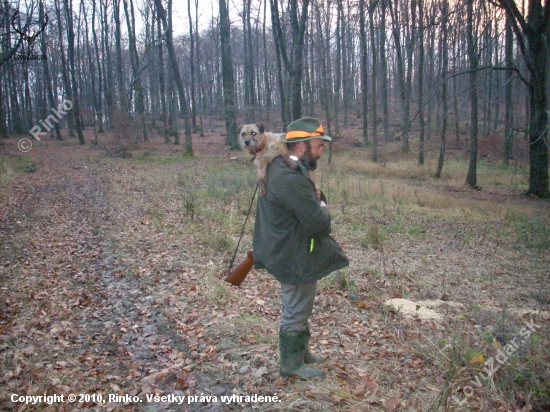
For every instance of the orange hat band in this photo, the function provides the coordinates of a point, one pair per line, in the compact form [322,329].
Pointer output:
[300,134]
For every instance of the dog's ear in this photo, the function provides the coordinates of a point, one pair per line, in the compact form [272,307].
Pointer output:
[239,129]
[260,127]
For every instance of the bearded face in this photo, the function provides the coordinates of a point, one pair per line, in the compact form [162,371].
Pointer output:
[308,160]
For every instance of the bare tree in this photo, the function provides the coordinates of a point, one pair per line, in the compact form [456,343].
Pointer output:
[295,67]
[364,72]
[374,83]
[279,50]
[228,78]
[192,54]
[136,72]
[97,97]
[444,67]
[176,74]
[249,88]
[471,179]
[420,75]
[535,28]
[384,71]
[47,78]
[70,46]
[508,116]
[162,86]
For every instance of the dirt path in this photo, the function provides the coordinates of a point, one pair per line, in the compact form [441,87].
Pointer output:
[110,279]
[72,322]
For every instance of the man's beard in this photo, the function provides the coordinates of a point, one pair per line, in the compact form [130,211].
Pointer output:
[307,159]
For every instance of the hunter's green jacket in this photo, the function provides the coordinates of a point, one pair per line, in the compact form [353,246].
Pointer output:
[291,233]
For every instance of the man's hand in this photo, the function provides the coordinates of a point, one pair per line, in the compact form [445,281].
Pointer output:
[323,204]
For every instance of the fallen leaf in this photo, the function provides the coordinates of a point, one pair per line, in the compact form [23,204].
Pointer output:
[336,398]
[280,382]
[259,372]
[372,384]
[392,403]
[359,391]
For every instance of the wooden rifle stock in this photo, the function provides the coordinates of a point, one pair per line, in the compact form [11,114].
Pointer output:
[237,275]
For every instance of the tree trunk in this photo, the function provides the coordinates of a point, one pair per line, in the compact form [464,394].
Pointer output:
[64,71]
[91,65]
[279,45]
[267,83]
[420,75]
[347,47]
[192,67]
[176,75]
[338,70]
[536,29]
[134,61]
[323,32]
[298,34]
[384,72]
[228,78]
[122,98]
[411,40]
[47,78]
[471,179]
[97,98]
[3,131]
[199,74]
[162,87]
[109,81]
[70,42]
[539,118]
[509,131]
[295,69]
[401,76]
[249,88]
[364,73]
[374,84]
[444,68]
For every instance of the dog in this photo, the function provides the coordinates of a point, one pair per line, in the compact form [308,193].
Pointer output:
[264,147]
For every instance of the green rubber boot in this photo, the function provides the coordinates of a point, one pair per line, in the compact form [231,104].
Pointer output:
[310,357]
[292,346]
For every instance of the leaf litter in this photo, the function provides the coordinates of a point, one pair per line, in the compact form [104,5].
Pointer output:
[111,288]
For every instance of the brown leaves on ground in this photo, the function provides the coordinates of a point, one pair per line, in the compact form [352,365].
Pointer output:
[110,272]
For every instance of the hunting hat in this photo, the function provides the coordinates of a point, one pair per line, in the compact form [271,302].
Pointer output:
[303,129]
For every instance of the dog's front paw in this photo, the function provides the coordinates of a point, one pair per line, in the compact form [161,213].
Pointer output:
[263,190]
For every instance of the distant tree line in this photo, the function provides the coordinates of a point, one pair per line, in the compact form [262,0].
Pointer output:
[409,69]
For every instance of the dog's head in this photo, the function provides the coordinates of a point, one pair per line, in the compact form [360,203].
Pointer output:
[251,137]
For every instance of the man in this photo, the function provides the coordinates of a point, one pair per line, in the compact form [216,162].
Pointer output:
[291,240]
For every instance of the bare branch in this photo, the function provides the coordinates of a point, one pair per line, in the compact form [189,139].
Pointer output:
[490,67]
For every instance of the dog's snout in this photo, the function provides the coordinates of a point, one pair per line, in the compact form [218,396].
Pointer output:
[247,142]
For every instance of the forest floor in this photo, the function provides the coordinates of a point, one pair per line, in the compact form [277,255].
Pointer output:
[111,284]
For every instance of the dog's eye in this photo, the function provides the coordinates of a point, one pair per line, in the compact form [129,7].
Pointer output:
[243,133]
[253,133]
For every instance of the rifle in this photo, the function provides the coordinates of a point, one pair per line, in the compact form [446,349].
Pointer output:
[237,275]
